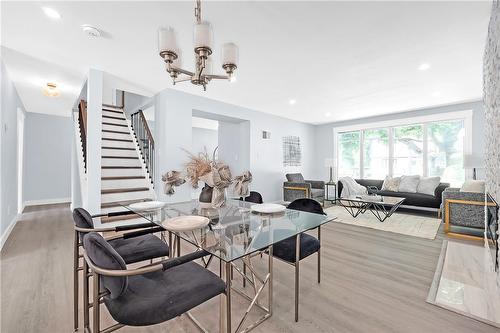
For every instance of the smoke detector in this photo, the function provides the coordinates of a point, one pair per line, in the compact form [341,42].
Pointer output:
[91,31]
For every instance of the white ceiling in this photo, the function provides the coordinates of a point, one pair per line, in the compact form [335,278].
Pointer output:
[348,59]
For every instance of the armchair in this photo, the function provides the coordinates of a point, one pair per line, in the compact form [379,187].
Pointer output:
[146,295]
[464,213]
[296,187]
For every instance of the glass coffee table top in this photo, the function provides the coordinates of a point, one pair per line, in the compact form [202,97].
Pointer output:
[381,206]
[234,231]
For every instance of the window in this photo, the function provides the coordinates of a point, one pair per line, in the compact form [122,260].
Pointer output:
[445,142]
[408,150]
[432,146]
[375,153]
[349,148]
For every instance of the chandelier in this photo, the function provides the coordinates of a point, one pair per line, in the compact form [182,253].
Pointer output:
[202,39]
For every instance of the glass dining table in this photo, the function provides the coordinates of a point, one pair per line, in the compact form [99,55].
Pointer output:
[235,234]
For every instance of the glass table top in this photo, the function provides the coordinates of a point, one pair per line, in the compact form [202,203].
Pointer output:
[234,231]
[378,199]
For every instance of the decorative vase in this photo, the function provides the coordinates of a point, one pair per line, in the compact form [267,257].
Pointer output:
[206,197]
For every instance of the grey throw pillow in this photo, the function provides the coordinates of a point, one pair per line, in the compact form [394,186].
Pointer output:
[391,184]
[409,184]
[427,185]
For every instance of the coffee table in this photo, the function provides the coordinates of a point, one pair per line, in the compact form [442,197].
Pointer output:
[380,205]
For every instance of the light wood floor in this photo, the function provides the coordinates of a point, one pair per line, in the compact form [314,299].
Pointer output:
[372,281]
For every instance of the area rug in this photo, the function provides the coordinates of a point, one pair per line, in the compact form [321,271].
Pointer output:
[399,223]
[465,282]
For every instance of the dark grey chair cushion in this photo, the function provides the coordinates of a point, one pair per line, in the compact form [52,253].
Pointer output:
[82,218]
[285,249]
[295,177]
[103,255]
[159,296]
[254,197]
[140,248]
[307,205]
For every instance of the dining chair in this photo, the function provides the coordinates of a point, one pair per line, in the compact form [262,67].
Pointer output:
[133,246]
[147,295]
[254,197]
[292,250]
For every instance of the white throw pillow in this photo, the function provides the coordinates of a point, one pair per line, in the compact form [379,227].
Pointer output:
[391,184]
[476,186]
[409,184]
[427,185]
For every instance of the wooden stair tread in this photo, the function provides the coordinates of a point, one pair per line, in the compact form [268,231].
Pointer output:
[113,117]
[124,140]
[118,148]
[120,167]
[125,190]
[112,124]
[120,203]
[115,111]
[112,131]
[122,177]
[122,157]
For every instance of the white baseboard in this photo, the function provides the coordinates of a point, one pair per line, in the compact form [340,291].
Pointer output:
[46,202]
[9,229]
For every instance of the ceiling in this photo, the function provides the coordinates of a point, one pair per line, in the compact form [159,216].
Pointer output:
[338,60]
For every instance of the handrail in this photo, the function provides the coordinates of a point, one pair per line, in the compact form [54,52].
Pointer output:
[82,119]
[145,141]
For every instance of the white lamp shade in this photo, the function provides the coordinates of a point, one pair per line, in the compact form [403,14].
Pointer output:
[202,35]
[178,62]
[330,162]
[167,40]
[229,54]
[473,161]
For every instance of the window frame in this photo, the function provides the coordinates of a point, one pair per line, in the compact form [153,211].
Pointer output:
[425,120]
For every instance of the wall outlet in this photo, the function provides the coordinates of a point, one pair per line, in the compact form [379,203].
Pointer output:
[266,135]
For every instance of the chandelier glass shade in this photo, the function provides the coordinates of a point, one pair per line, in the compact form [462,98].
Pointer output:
[202,42]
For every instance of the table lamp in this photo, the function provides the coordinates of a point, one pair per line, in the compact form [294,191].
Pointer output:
[330,163]
[473,162]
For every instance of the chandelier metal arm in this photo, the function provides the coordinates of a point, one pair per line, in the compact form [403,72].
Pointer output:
[219,77]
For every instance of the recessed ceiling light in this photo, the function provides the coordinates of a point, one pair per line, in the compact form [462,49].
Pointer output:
[91,31]
[328,114]
[423,67]
[292,102]
[52,13]
[51,90]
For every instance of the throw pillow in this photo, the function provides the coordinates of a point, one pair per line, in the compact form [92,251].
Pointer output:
[391,184]
[409,184]
[476,186]
[427,185]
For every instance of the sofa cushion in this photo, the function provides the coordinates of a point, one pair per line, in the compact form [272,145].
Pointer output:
[391,183]
[409,184]
[295,177]
[427,185]
[475,186]
[414,199]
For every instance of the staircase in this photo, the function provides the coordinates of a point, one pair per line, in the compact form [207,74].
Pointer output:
[124,175]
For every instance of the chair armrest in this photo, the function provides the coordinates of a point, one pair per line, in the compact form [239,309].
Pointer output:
[297,185]
[466,196]
[318,184]
[163,265]
[135,226]
[172,262]
[142,232]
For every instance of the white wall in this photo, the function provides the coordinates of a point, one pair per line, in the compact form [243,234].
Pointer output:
[10,102]
[173,110]
[47,158]
[204,138]
[324,133]
[234,148]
